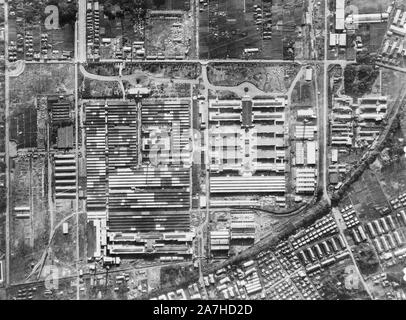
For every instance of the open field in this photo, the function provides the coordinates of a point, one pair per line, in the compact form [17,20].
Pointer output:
[30,223]
[167,70]
[62,250]
[40,79]
[366,6]
[269,78]
[170,38]
[93,89]
[29,235]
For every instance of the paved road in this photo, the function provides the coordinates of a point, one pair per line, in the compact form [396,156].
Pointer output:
[7,139]
[80,55]
[225,61]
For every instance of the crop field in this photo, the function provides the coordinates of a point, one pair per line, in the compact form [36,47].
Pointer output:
[23,128]
[229,27]
[226,29]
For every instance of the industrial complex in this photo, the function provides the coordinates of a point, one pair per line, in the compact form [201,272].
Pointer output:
[202,150]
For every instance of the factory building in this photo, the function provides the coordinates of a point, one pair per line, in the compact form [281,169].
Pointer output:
[166,243]
[368,18]
[1,272]
[305,180]
[138,194]
[122,177]
[311,152]
[219,242]
[65,176]
[342,128]
[334,155]
[247,146]
[165,126]
[60,110]
[399,31]
[300,155]
[340,15]
[253,184]
[338,39]
[96,187]
[305,132]
[22,212]
[305,113]
[242,225]
[372,108]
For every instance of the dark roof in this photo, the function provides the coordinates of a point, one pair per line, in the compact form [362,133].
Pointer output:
[247,113]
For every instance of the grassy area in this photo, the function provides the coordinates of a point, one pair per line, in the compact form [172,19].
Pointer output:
[174,275]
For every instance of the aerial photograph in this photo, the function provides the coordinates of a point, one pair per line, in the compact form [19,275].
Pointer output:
[206,150]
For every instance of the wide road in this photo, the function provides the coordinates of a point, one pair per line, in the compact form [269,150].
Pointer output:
[7,140]
[77,61]
[80,55]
